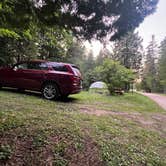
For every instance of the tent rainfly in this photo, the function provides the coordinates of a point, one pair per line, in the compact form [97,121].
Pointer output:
[99,87]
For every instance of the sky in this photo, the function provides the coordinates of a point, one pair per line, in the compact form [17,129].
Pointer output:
[154,24]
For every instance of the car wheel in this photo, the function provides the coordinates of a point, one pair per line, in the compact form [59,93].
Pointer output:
[50,91]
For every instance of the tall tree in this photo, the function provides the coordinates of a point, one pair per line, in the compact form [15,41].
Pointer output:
[86,19]
[76,53]
[149,81]
[87,69]
[128,50]
[53,43]
[45,43]
[162,65]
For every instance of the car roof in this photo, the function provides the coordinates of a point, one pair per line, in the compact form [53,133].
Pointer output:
[46,61]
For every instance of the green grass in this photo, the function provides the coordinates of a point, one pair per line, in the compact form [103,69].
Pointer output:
[163,94]
[128,102]
[56,132]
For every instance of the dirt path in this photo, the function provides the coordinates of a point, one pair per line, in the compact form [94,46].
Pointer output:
[159,99]
[153,121]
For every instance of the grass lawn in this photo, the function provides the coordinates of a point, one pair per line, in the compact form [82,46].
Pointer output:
[86,129]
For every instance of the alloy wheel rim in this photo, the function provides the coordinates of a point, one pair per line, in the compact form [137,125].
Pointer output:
[49,92]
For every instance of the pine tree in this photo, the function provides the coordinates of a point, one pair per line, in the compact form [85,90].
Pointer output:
[128,50]
[149,81]
[162,65]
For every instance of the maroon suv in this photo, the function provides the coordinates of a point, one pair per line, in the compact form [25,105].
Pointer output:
[51,78]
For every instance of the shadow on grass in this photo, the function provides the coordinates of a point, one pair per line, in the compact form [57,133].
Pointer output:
[38,94]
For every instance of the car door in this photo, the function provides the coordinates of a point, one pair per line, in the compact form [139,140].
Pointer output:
[32,77]
[17,75]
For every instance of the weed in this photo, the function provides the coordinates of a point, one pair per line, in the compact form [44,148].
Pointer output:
[59,152]
[5,152]
[59,161]
[39,140]
[59,149]
[9,122]
[79,146]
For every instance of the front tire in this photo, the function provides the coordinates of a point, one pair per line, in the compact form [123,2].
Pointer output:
[50,91]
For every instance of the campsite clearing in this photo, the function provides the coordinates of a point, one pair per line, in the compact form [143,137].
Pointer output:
[86,129]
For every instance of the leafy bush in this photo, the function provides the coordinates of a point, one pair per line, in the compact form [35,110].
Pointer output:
[114,75]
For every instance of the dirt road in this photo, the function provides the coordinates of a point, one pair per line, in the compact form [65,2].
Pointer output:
[159,99]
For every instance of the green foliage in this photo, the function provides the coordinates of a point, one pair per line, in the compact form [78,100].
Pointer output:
[87,68]
[53,43]
[76,53]
[119,74]
[114,74]
[13,50]
[45,29]
[89,18]
[27,34]
[50,43]
[8,33]
[162,66]
[89,77]
[86,19]
[5,152]
[150,75]
[129,51]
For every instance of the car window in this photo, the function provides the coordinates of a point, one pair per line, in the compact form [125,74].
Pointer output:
[58,67]
[43,66]
[38,66]
[76,71]
[21,66]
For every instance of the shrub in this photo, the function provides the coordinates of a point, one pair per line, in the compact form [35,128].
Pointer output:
[114,75]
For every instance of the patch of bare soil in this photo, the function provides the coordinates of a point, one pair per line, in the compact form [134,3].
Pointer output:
[87,156]
[96,112]
[155,121]
[24,153]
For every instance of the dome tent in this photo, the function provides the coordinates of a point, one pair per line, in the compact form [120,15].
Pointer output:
[99,87]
